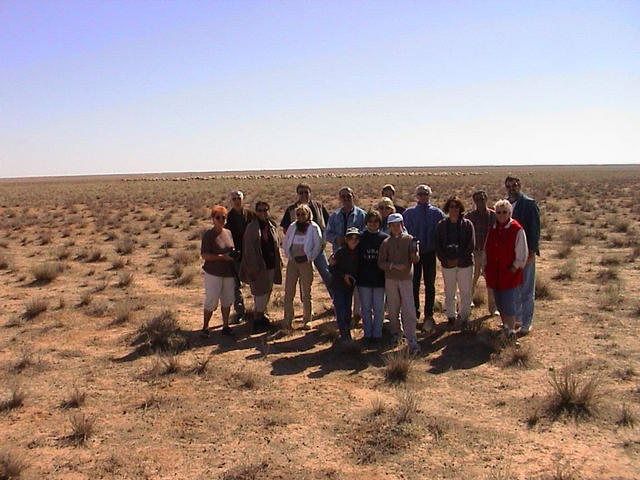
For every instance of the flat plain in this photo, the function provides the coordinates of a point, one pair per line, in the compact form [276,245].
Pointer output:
[103,373]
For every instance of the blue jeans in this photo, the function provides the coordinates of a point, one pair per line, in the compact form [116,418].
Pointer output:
[322,265]
[342,303]
[524,305]
[372,301]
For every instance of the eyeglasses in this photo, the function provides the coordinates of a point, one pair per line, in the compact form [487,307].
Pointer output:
[220,217]
[502,212]
[262,210]
[235,198]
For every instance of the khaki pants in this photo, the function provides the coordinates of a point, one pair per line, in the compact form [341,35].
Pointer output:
[295,272]
[457,280]
[478,270]
[400,297]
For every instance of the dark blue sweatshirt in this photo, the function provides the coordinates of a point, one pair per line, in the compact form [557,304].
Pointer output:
[369,274]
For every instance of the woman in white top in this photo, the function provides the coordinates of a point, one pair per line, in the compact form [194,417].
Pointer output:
[302,243]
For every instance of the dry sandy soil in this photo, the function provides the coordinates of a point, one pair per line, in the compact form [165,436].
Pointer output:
[83,394]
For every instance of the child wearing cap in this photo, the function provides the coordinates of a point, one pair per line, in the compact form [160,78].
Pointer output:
[397,255]
[344,270]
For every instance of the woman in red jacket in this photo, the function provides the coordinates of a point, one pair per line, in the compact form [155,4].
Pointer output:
[506,255]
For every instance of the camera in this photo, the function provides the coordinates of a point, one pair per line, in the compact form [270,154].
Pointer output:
[451,250]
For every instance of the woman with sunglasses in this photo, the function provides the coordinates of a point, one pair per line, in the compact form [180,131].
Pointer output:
[386,208]
[455,240]
[218,252]
[261,263]
[301,245]
[506,255]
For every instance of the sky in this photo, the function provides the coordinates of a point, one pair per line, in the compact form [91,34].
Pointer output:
[92,87]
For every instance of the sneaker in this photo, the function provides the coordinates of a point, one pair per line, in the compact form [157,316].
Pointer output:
[306,326]
[495,313]
[227,332]
[235,319]
[429,326]
[525,329]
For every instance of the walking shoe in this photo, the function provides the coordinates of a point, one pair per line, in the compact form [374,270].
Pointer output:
[525,329]
[495,313]
[227,332]
[235,319]
[429,326]
[306,326]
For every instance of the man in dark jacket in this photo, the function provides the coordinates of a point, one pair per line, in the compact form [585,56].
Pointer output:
[237,220]
[527,213]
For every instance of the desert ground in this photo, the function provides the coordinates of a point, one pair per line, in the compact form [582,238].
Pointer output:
[103,373]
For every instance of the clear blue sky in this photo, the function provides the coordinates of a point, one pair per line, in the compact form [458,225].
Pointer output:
[155,86]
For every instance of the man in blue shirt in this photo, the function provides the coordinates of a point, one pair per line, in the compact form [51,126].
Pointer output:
[420,221]
[343,218]
[527,213]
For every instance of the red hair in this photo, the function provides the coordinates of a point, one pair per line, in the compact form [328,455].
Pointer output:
[219,209]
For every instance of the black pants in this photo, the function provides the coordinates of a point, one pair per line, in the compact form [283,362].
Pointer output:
[426,268]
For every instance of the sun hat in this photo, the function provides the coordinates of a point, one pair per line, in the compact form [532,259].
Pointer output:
[352,231]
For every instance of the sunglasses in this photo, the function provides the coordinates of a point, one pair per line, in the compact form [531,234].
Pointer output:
[235,198]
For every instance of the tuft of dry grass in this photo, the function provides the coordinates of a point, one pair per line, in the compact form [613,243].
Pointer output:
[118,263]
[122,312]
[246,471]
[627,417]
[246,378]
[567,271]
[573,396]
[407,406]
[187,277]
[377,407]
[124,246]
[16,399]
[25,359]
[165,365]
[85,299]
[45,273]
[516,356]
[398,365]
[544,291]
[4,262]
[200,364]
[11,465]
[610,296]
[35,307]
[125,279]
[82,427]
[161,332]
[75,399]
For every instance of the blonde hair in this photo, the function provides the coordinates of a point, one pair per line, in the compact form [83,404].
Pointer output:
[502,203]
[304,208]
[386,202]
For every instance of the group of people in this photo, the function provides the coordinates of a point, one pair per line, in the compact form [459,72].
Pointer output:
[379,260]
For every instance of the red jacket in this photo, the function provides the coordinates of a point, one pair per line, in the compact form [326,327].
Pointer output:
[501,252]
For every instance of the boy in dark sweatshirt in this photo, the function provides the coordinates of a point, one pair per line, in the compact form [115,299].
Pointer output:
[344,270]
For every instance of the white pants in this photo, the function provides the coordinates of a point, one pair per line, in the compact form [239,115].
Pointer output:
[457,279]
[218,289]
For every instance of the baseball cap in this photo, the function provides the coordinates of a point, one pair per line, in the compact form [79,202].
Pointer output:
[394,218]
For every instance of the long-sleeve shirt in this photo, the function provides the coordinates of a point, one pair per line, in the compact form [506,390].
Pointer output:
[396,251]
[340,221]
[346,264]
[459,234]
[420,221]
[369,274]
[482,222]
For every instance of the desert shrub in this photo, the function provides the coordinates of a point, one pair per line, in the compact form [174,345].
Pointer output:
[573,236]
[45,238]
[621,224]
[25,359]
[610,260]
[82,427]
[398,365]
[122,312]
[610,296]
[573,396]
[515,356]
[85,299]
[15,399]
[35,307]
[98,308]
[634,254]
[75,398]
[161,332]
[185,257]
[93,255]
[627,417]
[377,407]
[617,242]
[125,279]
[407,406]
[165,365]
[124,246]
[117,263]
[187,277]
[608,274]
[567,271]
[4,262]
[177,269]
[544,290]
[246,378]
[247,471]
[62,253]
[44,273]
[200,364]
[11,465]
